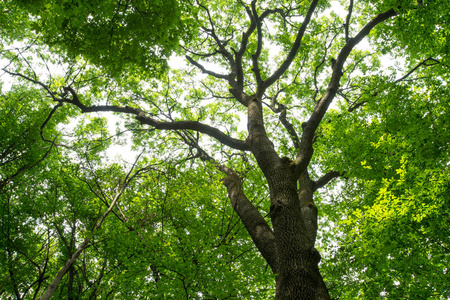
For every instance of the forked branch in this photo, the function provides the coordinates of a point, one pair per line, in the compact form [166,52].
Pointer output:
[292,53]
[426,63]
[141,116]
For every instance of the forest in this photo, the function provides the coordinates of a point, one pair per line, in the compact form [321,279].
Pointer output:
[224,149]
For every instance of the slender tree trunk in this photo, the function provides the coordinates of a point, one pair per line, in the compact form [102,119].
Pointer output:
[55,282]
[70,289]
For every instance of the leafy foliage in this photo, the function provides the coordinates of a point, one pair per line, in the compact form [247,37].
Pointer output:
[120,36]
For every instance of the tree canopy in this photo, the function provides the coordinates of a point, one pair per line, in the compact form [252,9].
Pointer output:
[225,149]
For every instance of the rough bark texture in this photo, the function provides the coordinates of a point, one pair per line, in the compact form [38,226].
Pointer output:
[296,258]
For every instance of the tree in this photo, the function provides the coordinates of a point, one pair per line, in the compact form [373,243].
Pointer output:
[321,112]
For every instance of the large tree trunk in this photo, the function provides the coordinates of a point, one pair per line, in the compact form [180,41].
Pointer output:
[296,276]
[297,266]
[289,247]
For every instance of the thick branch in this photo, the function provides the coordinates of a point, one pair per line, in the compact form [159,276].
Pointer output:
[308,207]
[309,127]
[261,146]
[257,227]
[244,41]
[176,125]
[260,232]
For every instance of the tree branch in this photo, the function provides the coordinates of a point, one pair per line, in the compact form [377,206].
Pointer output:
[257,227]
[206,71]
[24,168]
[237,80]
[325,179]
[290,129]
[309,127]
[55,282]
[255,57]
[220,44]
[260,232]
[119,191]
[327,47]
[422,63]
[175,125]
[281,109]
[347,20]
[44,86]
[292,53]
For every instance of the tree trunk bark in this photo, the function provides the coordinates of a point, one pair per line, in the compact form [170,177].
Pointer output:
[297,268]
[294,219]
[293,215]
[297,260]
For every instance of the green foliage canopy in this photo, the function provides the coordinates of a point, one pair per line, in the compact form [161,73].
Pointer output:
[383,224]
[119,36]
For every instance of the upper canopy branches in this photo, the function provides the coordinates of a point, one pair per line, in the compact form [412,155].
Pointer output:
[280,53]
[248,44]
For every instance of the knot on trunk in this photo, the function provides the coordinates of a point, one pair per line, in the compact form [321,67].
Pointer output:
[275,209]
[231,180]
[316,255]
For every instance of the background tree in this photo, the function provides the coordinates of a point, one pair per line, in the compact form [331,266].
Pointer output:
[317,106]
